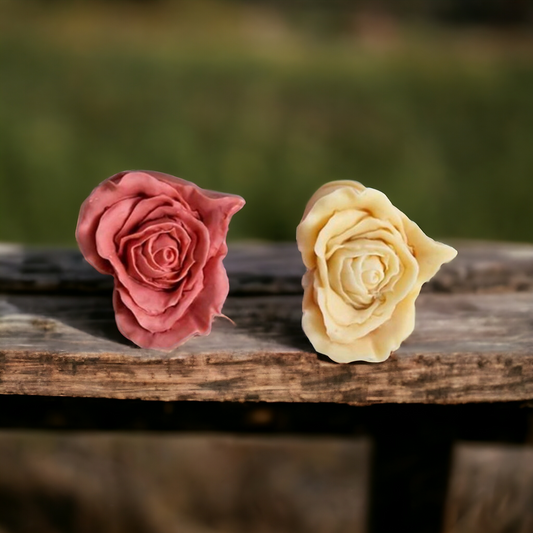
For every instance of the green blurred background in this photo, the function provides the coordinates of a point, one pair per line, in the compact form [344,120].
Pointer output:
[429,101]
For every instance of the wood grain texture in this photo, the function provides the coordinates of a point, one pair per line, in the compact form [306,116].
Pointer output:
[491,489]
[274,268]
[466,348]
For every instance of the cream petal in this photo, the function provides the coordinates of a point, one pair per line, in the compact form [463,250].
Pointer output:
[371,270]
[373,348]
[381,251]
[366,264]
[365,228]
[388,337]
[430,254]
[315,330]
[350,277]
[334,205]
[330,187]
[338,229]
[317,217]
[343,321]
[345,274]
[346,278]
[340,233]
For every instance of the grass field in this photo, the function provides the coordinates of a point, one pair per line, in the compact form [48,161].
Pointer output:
[237,100]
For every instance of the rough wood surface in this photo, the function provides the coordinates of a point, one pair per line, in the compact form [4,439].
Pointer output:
[466,348]
[268,269]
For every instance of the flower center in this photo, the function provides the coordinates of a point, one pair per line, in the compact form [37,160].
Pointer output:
[166,256]
[372,272]
[165,252]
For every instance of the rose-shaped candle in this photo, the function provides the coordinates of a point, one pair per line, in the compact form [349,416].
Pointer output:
[163,239]
[366,263]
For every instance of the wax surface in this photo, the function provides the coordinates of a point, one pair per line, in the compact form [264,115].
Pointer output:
[366,263]
[163,239]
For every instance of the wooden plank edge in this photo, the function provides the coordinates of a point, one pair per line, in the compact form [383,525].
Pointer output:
[290,377]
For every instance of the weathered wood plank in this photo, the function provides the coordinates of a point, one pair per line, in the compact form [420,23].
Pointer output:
[273,268]
[182,483]
[491,489]
[466,348]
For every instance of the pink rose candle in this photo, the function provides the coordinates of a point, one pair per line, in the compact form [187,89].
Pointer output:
[163,239]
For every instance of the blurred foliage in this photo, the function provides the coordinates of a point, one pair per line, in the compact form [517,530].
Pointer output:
[237,98]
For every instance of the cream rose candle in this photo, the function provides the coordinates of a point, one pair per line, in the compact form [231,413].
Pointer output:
[366,263]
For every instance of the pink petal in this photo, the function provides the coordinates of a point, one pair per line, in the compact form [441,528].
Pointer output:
[110,223]
[129,327]
[101,246]
[139,258]
[197,321]
[182,297]
[148,209]
[215,208]
[163,238]
[144,298]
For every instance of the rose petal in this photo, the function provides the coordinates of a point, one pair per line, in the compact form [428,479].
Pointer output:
[330,187]
[148,209]
[166,307]
[142,270]
[430,254]
[160,236]
[143,184]
[366,263]
[102,197]
[143,298]
[345,323]
[116,188]
[139,254]
[373,348]
[197,321]
[345,275]
[109,224]
[215,209]
[342,199]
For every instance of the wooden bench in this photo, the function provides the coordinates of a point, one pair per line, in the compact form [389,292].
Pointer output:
[465,373]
